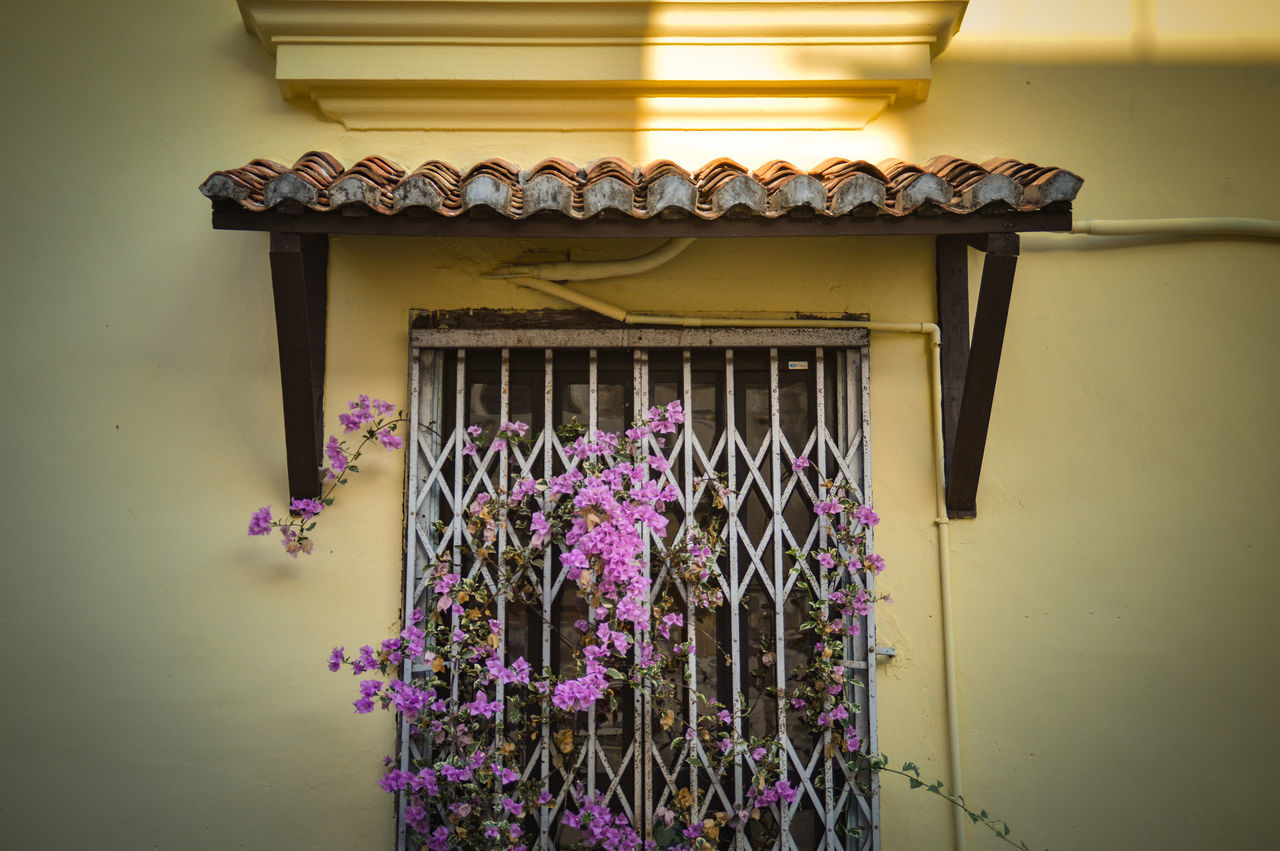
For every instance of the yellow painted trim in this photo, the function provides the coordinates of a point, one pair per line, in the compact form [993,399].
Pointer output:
[730,65]
[360,109]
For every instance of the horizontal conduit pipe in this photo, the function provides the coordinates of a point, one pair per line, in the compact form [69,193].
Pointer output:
[941,521]
[1198,227]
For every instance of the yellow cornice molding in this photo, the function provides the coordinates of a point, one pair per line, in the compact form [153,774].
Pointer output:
[712,64]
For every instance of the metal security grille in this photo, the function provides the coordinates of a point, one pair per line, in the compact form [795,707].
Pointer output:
[754,401]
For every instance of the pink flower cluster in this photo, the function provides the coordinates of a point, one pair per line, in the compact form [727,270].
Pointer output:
[600,827]
[602,515]
[580,694]
[362,411]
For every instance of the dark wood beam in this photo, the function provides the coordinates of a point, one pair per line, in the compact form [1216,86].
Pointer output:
[995,243]
[974,417]
[299,279]
[229,215]
[951,257]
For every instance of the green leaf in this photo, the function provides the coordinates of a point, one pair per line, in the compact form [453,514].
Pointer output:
[328,501]
[914,783]
[666,836]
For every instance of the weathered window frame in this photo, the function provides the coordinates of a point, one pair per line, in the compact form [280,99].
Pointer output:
[840,361]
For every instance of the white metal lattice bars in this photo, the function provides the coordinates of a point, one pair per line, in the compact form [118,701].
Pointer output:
[755,436]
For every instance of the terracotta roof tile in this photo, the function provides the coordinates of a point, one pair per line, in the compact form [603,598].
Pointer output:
[611,186]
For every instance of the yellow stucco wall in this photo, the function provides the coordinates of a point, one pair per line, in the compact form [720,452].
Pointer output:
[1115,597]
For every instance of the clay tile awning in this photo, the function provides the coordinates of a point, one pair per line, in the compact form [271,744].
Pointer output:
[610,197]
[961,204]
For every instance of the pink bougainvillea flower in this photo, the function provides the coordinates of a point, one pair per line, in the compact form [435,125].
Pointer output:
[799,464]
[541,528]
[830,506]
[454,774]
[482,706]
[337,458]
[293,543]
[523,488]
[852,741]
[580,694]
[260,521]
[866,516]
[439,839]
[307,507]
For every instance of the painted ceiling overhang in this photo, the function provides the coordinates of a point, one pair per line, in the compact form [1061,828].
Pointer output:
[961,204]
[603,64]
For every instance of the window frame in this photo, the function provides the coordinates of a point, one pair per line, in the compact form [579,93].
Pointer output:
[428,381]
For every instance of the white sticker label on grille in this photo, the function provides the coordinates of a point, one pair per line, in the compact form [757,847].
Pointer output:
[797,364]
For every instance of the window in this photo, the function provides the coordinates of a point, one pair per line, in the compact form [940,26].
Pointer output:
[754,402]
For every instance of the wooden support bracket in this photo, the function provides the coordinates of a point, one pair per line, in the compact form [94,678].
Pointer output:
[970,367]
[952,257]
[299,279]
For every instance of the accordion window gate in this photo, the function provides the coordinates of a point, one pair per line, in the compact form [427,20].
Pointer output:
[754,403]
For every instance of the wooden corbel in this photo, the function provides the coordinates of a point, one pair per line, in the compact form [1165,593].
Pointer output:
[970,365]
[299,279]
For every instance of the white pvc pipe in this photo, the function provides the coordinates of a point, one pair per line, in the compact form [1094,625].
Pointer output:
[1220,226]
[593,270]
[941,520]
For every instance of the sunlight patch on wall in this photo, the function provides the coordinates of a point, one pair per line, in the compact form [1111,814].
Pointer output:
[1230,31]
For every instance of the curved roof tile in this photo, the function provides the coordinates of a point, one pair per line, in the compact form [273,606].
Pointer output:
[611,186]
